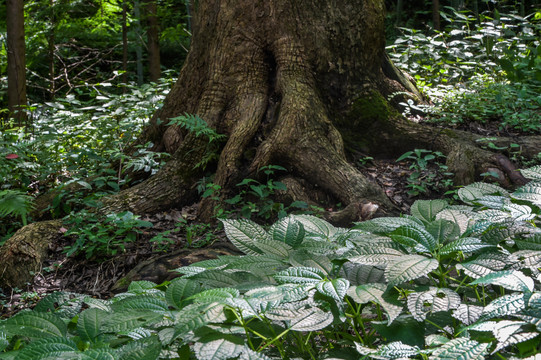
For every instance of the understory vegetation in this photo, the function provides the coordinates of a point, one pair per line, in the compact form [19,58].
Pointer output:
[447,281]
[458,277]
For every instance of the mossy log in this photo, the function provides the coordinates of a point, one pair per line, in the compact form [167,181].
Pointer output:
[22,255]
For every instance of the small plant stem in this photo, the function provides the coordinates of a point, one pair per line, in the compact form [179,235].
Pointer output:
[246,329]
[274,340]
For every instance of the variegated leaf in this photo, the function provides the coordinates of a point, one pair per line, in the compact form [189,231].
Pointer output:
[461,348]
[509,279]
[409,267]
[421,304]
[288,230]
[300,275]
[244,234]
[374,293]
[315,225]
[467,245]
[417,238]
[335,288]
[504,305]
[426,210]
[468,314]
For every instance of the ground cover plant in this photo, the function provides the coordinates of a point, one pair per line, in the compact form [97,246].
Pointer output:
[484,70]
[447,281]
[75,141]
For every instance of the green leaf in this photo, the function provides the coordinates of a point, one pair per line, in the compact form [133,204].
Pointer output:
[311,319]
[272,247]
[258,264]
[85,184]
[218,278]
[129,319]
[493,201]
[525,259]
[148,348]
[141,302]
[504,305]
[529,242]
[89,324]
[520,212]
[426,210]
[35,325]
[195,316]
[359,274]
[335,289]
[529,192]
[404,329]
[467,245]
[300,275]
[472,192]
[443,230]
[302,258]
[141,286]
[484,264]
[4,342]
[315,225]
[385,225]
[249,354]
[409,267]
[65,304]
[289,231]
[49,348]
[225,347]
[459,217]
[215,295]
[515,339]
[461,348]
[244,234]
[509,279]
[179,290]
[99,354]
[419,239]
[468,314]
[421,304]
[533,173]
[393,350]
[375,293]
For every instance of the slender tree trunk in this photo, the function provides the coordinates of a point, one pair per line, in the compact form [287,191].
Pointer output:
[16,59]
[436,14]
[138,42]
[399,9]
[150,7]
[51,41]
[124,42]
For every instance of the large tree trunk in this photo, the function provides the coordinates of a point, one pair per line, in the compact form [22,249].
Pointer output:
[289,83]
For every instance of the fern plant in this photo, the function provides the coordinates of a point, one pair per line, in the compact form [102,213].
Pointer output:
[17,203]
[199,127]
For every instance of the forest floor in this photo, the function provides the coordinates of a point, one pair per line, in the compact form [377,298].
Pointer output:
[97,278]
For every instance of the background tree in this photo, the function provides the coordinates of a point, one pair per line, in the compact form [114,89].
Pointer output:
[16,59]
[153,36]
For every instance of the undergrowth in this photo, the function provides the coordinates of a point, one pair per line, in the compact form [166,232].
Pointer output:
[485,70]
[447,281]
